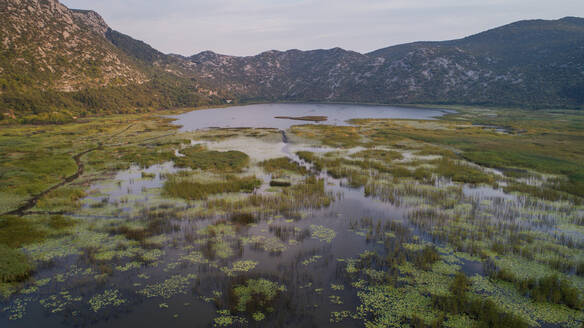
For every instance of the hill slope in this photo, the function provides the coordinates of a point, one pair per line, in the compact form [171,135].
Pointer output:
[529,63]
[57,60]
[54,60]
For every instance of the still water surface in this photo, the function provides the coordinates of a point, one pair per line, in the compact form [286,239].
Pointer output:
[263,115]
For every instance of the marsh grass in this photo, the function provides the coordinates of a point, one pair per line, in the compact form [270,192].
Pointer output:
[66,198]
[146,156]
[198,157]
[59,222]
[309,193]
[378,154]
[334,136]
[464,173]
[276,165]
[14,265]
[193,190]
[255,295]
[483,310]
[17,231]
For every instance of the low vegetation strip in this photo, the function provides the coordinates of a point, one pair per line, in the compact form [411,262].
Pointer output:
[198,157]
[193,190]
[303,118]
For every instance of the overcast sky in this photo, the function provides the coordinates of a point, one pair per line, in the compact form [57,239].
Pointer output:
[248,27]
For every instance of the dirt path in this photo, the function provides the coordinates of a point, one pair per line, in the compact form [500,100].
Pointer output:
[23,209]
[80,168]
[32,202]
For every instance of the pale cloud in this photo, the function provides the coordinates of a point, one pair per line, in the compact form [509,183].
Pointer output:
[247,27]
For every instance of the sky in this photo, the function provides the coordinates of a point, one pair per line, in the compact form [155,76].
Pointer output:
[248,27]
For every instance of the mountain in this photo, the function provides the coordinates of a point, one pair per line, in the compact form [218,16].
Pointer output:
[55,60]
[534,63]
[45,45]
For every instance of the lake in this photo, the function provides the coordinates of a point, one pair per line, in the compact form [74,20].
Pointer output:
[263,115]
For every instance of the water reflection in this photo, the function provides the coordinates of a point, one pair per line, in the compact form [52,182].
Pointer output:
[263,115]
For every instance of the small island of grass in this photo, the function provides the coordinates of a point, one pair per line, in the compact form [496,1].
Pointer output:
[304,118]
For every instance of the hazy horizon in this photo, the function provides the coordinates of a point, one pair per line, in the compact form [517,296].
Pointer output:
[250,27]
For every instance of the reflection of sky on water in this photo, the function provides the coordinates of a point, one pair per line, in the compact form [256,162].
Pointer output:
[262,115]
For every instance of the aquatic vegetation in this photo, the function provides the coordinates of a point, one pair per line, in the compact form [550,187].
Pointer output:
[59,222]
[336,317]
[268,244]
[194,257]
[311,260]
[276,165]
[225,319]
[60,302]
[17,308]
[129,266]
[239,266]
[256,295]
[145,157]
[386,306]
[322,233]
[258,316]
[177,284]
[426,213]
[17,231]
[192,190]
[334,136]
[14,265]
[197,157]
[335,299]
[378,154]
[66,198]
[110,297]
[465,173]
[480,309]
[152,255]
[146,175]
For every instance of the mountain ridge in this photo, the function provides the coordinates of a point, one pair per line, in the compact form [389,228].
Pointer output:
[57,59]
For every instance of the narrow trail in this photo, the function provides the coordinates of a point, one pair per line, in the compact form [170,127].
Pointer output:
[32,202]
[22,210]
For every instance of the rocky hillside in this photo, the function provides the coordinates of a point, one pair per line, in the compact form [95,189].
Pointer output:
[48,46]
[529,63]
[54,60]
[58,60]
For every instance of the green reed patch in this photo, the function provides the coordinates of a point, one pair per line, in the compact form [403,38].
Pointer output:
[198,157]
[146,156]
[66,198]
[279,164]
[483,310]
[542,192]
[59,222]
[17,231]
[460,172]
[14,265]
[378,154]
[256,295]
[193,190]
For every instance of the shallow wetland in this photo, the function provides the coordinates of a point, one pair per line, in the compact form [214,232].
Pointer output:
[429,219]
